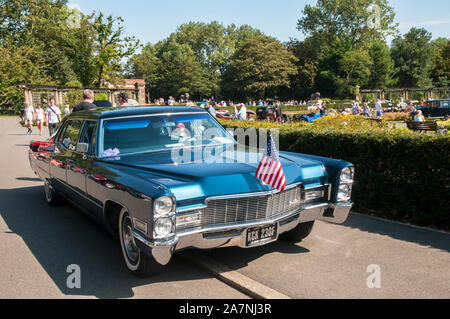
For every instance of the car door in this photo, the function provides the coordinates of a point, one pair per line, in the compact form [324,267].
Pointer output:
[57,162]
[79,166]
[66,144]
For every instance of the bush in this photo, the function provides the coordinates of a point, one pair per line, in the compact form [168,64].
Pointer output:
[399,174]
[101,97]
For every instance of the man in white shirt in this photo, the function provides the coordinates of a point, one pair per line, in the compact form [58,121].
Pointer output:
[52,117]
[28,114]
[242,116]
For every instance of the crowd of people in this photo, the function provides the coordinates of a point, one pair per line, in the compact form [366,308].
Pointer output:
[51,115]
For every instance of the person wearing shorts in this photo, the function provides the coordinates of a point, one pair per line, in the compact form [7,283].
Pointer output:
[53,117]
[39,114]
[27,117]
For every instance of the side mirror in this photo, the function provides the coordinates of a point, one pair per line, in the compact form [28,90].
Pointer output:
[82,148]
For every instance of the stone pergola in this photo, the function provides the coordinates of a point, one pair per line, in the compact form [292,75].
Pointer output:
[33,93]
[431,93]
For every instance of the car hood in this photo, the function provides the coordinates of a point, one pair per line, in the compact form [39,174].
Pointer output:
[212,172]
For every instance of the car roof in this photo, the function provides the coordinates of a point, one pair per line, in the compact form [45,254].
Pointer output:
[106,113]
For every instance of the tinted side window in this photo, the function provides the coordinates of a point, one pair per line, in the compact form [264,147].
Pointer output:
[70,137]
[445,104]
[88,135]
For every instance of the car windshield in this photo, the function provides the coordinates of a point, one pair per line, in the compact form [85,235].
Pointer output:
[160,132]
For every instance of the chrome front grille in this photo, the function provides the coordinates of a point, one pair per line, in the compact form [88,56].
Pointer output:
[235,210]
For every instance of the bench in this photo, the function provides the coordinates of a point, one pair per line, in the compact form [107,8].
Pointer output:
[426,126]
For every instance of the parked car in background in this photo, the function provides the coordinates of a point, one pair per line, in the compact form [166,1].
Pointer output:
[268,113]
[123,168]
[434,109]
[308,117]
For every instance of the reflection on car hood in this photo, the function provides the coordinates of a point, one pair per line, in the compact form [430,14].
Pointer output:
[217,172]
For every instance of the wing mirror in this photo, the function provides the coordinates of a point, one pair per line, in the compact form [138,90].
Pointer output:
[82,148]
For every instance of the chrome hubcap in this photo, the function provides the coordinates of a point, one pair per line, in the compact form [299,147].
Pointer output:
[47,191]
[128,241]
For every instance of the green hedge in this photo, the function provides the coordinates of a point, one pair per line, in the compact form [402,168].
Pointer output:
[399,175]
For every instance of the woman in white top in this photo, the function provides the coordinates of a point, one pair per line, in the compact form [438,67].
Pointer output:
[39,113]
[419,117]
[27,117]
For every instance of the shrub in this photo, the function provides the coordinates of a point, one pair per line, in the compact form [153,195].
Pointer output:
[101,97]
[399,174]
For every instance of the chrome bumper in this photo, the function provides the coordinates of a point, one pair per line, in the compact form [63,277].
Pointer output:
[235,235]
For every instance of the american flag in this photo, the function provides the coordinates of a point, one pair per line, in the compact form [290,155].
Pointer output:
[270,170]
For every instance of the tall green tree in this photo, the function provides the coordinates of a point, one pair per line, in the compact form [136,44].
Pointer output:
[111,46]
[414,58]
[18,66]
[382,70]
[304,82]
[362,21]
[441,71]
[259,68]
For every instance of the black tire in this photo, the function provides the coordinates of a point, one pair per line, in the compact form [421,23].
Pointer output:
[51,197]
[137,262]
[299,233]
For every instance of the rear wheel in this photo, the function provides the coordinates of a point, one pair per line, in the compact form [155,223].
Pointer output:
[137,262]
[299,233]
[51,197]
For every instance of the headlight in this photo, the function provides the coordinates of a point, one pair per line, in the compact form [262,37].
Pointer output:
[163,206]
[347,174]
[163,227]
[344,193]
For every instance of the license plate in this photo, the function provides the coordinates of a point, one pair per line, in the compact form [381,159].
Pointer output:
[261,235]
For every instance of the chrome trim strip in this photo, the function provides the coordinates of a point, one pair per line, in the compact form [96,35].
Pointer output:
[252,223]
[246,195]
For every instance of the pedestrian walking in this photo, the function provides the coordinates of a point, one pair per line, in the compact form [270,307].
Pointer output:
[378,109]
[40,116]
[67,110]
[27,117]
[53,117]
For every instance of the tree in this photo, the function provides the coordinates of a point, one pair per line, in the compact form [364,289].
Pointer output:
[111,46]
[362,21]
[382,70]
[304,82]
[414,58]
[441,71]
[17,66]
[259,68]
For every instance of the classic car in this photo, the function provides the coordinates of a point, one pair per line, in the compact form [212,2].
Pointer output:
[311,117]
[137,172]
[268,113]
[434,109]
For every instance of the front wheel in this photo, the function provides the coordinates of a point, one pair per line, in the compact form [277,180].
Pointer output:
[137,262]
[299,233]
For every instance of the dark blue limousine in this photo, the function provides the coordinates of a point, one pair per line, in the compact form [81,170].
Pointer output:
[167,179]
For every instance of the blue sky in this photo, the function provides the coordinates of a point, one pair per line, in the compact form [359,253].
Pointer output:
[152,20]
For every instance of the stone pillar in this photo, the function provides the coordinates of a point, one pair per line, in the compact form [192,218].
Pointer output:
[61,98]
[140,93]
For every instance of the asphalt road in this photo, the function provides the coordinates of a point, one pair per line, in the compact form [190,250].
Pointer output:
[38,242]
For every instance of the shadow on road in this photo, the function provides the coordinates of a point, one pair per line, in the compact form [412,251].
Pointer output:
[28,179]
[421,236]
[61,236]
